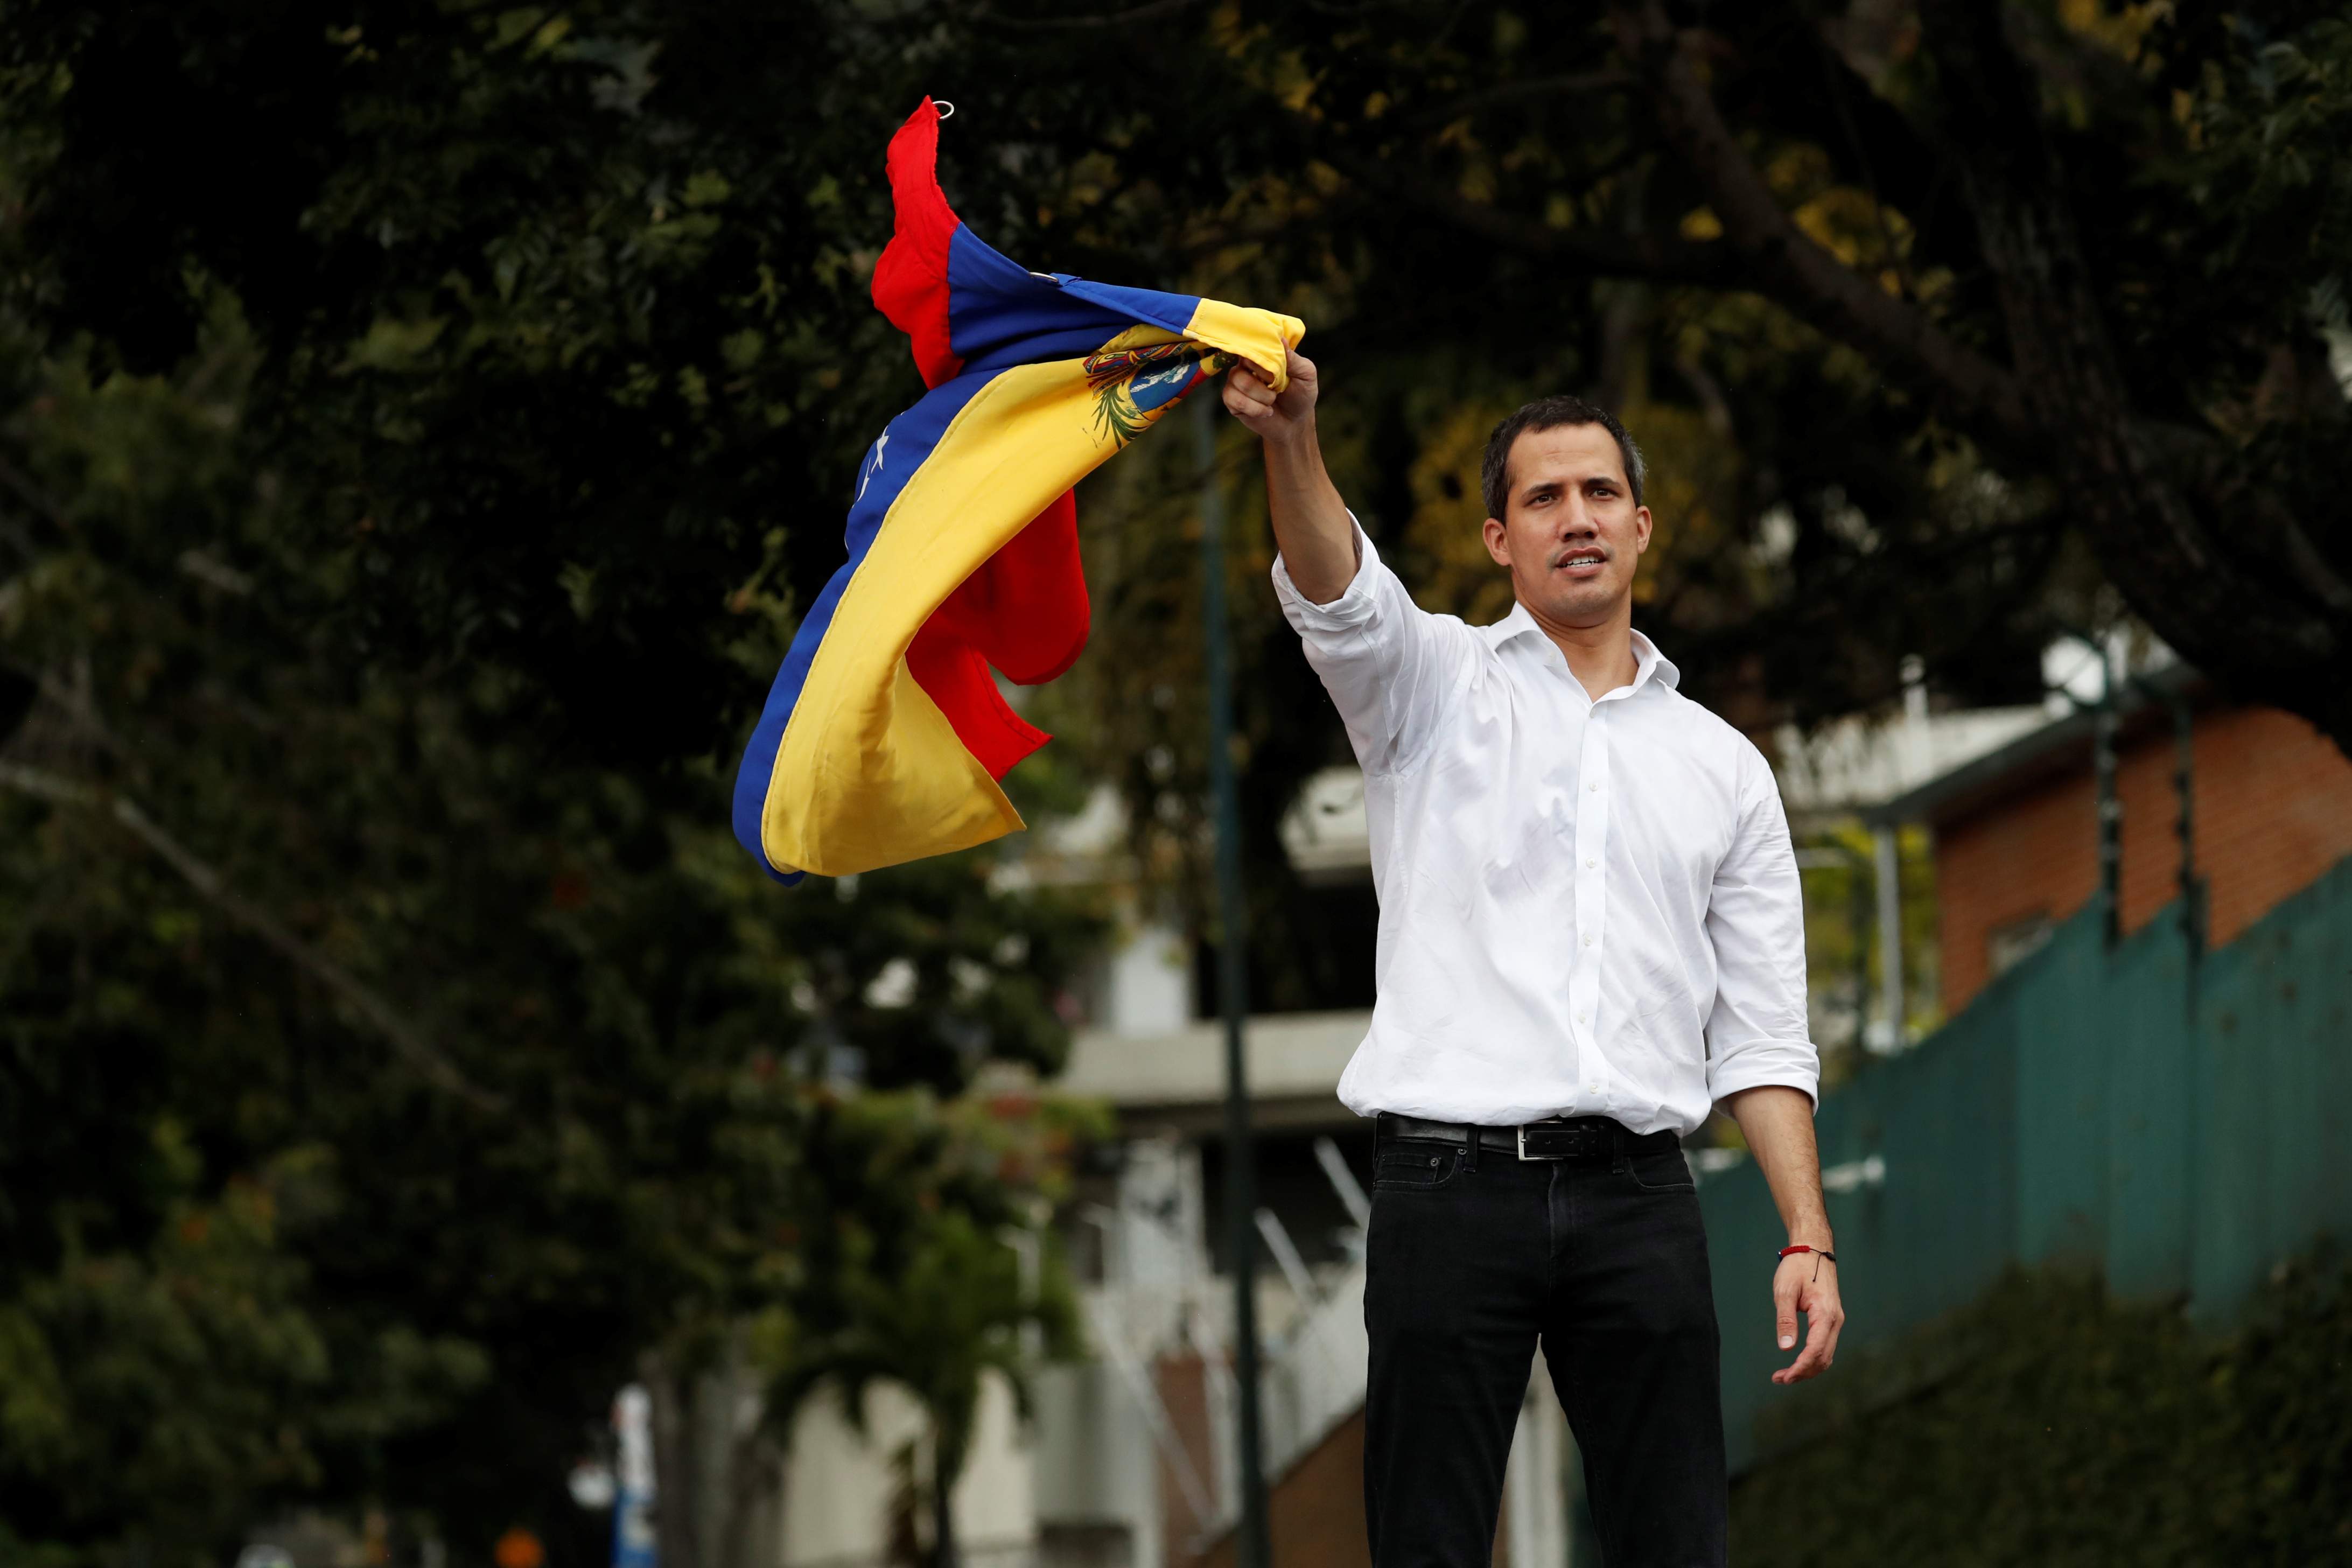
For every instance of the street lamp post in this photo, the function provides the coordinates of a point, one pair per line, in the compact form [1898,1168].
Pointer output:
[1241,1176]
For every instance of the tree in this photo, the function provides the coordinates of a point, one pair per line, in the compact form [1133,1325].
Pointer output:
[1871,175]
[562,311]
[2101,240]
[945,1325]
[951,1315]
[1947,326]
[902,1268]
[372,960]
[378,1082]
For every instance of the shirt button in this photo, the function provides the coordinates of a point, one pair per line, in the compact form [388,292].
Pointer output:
[1580,1014]
[1589,861]
[1588,939]
[1594,1086]
[1593,787]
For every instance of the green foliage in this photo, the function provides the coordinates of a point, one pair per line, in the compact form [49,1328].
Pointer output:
[2263,104]
[568,304]
[566,358]
[938,1312]
[156,1382]
[2285,1387]
[911,1250]
[381,1077]
[559,312]
[2050,1425]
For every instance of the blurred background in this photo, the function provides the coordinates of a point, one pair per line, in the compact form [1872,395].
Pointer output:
[426,1138]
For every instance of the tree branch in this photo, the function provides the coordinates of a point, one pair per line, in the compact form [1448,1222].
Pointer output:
[1666,260]
[2223,577]
[1785,265]
[1150,12]
[402,1037]
[34,496]
[1533,87]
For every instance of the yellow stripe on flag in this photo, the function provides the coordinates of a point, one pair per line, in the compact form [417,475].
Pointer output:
[1258,336]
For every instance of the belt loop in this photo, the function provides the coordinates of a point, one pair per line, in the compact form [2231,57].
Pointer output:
[1470,1136]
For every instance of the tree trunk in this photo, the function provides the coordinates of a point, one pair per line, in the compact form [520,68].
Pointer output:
[943,1541]
[718,1480]
[2215,596]
[673,1462]
[950,1440]
[755,1516]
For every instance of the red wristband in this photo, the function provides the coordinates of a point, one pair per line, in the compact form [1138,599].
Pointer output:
[1817,1251]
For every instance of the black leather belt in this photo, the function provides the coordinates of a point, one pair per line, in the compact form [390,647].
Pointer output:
[1558,1137]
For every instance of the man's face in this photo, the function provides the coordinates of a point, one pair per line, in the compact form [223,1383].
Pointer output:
[1571,532]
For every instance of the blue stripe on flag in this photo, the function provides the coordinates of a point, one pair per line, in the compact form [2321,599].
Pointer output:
[889,463]
[1171,312]
[999,315]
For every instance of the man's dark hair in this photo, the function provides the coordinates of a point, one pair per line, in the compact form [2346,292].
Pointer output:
[1550,413]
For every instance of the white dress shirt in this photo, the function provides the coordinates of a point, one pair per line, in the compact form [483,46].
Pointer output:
[1587,908]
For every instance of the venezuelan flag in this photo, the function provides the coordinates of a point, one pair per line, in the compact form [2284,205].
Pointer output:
[884,734]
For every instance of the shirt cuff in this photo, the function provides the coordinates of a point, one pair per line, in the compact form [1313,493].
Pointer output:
[1787,1064]
[1352,608]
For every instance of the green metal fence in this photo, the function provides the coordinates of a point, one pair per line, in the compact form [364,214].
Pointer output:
[2182,1126]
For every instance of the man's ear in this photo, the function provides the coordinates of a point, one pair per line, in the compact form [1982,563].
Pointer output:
[1641,530]
[1492,531]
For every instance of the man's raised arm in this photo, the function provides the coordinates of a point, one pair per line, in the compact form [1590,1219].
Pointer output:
[1387,666]
[1311,526]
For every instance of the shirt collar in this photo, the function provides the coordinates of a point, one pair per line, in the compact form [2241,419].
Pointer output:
[1648,662]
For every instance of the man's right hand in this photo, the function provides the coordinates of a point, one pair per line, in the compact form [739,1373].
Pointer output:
[1276,417]
[1310,523]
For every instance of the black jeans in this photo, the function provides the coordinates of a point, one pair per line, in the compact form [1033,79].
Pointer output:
[1605,1261]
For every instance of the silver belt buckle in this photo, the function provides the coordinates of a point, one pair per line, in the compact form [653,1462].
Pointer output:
[1522,1130]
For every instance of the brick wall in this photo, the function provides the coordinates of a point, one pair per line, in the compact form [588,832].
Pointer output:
[1315,1510]
[2273,811]
[1183,1384]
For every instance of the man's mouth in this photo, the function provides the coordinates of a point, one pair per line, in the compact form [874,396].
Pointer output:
[1580,560]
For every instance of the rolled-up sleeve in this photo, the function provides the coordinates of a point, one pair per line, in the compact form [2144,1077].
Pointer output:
[1387,664]
[1758,1032]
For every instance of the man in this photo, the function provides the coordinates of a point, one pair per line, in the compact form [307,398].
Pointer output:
[1590,933]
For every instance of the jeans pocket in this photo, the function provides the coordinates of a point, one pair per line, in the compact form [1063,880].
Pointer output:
[1416,1167]
[1662,1173]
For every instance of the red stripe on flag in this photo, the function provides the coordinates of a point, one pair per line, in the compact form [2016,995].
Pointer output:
[910,281]
[1025,612]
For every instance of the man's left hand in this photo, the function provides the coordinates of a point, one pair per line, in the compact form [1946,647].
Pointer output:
[1807,1282]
